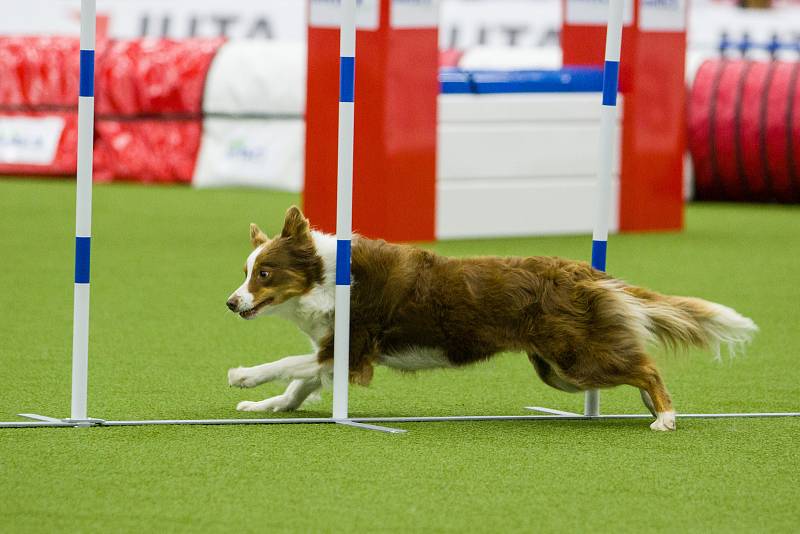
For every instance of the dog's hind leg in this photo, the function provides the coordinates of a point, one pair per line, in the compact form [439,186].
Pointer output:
[648,402]
[290,400]
[634,369]
[549,375]
[288,368]
[645,376]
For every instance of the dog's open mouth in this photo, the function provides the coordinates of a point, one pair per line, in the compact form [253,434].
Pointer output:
[252,312]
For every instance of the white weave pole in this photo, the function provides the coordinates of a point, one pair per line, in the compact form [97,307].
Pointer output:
[83,214]
[608,137]
[344,208]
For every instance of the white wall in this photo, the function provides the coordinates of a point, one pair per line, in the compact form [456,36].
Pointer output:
[518,164]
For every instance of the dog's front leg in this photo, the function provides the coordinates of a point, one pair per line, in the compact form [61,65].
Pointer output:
[291,399]
[288,368]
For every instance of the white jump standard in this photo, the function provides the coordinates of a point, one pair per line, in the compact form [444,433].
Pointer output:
[83,222]
[344,217]
[608,136]
[79,409]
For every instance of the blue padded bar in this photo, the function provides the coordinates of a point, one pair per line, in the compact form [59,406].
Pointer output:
[454,81]
[567,80]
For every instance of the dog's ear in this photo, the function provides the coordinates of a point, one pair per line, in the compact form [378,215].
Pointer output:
[257,237]
[295,225]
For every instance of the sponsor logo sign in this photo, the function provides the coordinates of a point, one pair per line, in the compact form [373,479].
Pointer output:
[662,15]
[177,19]
[414,13]
[29,140]
[595,12]
[254,153]
[328,14]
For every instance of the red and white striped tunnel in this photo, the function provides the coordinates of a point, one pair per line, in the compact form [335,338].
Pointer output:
[744,131]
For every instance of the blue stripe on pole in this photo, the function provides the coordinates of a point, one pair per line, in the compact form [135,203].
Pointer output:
[83,247]
[610,81]
[87,73]
[343,262]
[347,78]
[599,254]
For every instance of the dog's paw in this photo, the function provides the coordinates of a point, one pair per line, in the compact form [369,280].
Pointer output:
[273,404]
[249,406]
[241,378]
[665,422]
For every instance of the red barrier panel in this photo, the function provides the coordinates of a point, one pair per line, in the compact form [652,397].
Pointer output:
[154,76]
[651,77]
[743,131]
[147,150]
[38,72]
[39,80]
[394,170]
[148,107]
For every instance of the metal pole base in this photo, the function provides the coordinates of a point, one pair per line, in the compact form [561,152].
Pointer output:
[80,423]
[550,411]
[365,426]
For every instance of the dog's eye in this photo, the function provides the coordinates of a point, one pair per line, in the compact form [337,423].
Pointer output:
[264,274]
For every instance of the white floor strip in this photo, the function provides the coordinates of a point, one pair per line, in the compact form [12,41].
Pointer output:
[365,422]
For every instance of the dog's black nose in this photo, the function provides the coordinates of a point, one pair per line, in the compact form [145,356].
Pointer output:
[233,304]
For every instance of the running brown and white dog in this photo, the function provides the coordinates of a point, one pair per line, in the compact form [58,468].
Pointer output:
[413,309]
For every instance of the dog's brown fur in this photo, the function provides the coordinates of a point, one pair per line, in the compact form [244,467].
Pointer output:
[580,328]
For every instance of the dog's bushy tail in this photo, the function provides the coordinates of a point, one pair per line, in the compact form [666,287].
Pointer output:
[681,322]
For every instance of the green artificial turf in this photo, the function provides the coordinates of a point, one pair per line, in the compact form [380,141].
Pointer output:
[164,259]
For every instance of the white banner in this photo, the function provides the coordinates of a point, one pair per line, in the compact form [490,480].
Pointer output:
[463,23]
[595,12]
[29,140]
[662,15]
[255,153]
[414,13]
[257,78]
[328,14]
[127,19]
[499,23]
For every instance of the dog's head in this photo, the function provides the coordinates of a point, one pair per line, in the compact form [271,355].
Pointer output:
[278,269]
